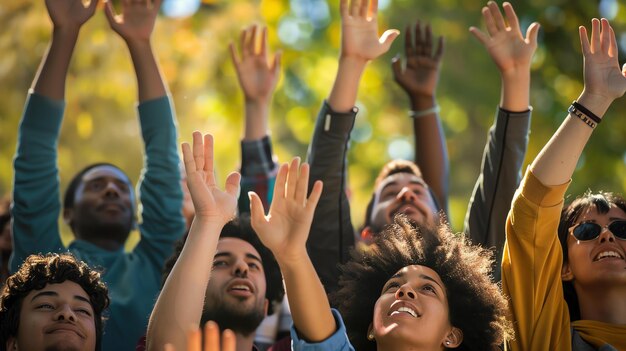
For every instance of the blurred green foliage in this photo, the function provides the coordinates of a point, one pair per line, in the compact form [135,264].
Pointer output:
[101,123]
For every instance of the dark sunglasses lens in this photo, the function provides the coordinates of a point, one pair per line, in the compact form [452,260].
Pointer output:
[587,231]
[618,228]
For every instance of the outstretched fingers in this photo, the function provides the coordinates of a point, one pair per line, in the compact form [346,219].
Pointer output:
[584,40]
[511,16]
[292,178]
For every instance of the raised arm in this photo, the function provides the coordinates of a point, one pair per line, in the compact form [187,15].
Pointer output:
[67,17]
[135,25]
[507,141]
[285,231]
[257,76]
[160,191]
[36,205]
[604,82]
[332,233]
[418,77]
[359,45]
[180,303]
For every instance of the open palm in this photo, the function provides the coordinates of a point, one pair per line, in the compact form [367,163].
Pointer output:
[209,201]
[286,228]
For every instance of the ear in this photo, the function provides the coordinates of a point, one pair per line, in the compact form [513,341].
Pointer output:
[566,273]
[266,306]
[370,332]
[11,344]
[67,216]
[453,339]
[367,235]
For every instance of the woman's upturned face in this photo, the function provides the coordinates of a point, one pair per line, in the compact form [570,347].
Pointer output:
[412,310]
[598,261]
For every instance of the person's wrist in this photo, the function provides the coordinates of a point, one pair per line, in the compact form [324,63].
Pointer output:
[257,101]
[352,59]
[420,102]
[65,31]
[516,73]
[598,104]
[292,258]
[138,43]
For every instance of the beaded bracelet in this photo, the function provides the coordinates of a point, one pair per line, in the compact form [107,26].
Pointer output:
[592,122]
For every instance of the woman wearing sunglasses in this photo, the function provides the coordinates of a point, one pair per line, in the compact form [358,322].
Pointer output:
[568,290]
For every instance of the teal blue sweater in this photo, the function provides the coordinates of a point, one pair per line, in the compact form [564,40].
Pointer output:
[133,278]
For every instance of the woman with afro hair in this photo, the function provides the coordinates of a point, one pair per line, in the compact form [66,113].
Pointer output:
[425,289]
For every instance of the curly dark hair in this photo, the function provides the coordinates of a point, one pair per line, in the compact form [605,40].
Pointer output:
[389,169]
[476,304]
[602,202]
[240,228]
[34,274]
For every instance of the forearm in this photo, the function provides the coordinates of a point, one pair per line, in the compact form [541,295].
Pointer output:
[187,282]
[515,93]
[431,153]
[346,86]
[150,84]
[557,160]
[257,115]
[52,73]
[309,305]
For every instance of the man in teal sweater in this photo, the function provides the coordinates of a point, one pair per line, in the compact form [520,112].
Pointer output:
[100,203]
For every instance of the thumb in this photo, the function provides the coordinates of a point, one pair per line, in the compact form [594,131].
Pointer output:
[532,32]
[110,13]
[232,183]
[388,37]
[257,212]
[624,70]
[396,66]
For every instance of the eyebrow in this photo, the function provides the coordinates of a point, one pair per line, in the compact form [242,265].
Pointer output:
[423,276]
[248,255]
[55,294]
[393,182]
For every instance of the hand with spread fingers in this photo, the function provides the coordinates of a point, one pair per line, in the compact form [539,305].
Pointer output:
[70,14]
[359,30]
[211,340]
[602,74]
[211,203]
[136,21]
[508,48]
[257,75]
[286,227]
[420,74]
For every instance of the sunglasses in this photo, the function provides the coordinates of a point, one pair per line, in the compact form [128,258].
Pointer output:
[585,231]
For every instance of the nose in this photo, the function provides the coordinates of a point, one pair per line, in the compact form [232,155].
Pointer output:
[606,235]
[65,313]
[406,194]
[405,292]
[112,190]
[240,269]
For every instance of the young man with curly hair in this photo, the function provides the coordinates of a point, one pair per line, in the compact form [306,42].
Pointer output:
[53,302]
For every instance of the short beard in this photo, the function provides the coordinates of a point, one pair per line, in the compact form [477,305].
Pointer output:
[240,322]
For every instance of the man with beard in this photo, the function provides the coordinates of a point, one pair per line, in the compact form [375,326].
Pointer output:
[221,272]
[99,203]
[418,189]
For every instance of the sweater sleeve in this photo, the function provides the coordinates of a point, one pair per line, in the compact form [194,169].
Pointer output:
[500,175]
[531,268]
[36,203]
[258,172]
[336,342]
[332,234]
[160,191]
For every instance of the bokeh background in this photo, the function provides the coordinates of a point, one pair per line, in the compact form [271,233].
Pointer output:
[191,40]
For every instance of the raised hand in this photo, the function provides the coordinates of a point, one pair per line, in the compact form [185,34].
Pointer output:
[602,74]
[211,339]
[211,203]
[136,22]
[508,48]
[359,30]
[420,75]
[256,74]
[286,228]
[70,14]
